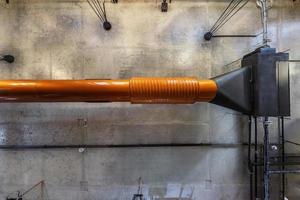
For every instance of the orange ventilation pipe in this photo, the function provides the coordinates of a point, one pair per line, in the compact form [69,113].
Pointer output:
[185,90]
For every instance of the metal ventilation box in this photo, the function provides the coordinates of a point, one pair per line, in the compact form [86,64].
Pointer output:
[270,82]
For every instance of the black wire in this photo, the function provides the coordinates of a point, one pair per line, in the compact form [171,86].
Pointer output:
[233,14]
[97,8]
[93,9]
[103,12]
[222,14]
[100,11]
[230,16]
[227,12]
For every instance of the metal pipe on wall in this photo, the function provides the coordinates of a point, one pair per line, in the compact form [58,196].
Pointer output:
[264,18]
[250,166]
[282,157]
[266,177]
[255,159]
[186,90]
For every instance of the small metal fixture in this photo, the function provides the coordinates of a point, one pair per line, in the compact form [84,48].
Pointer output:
[19,197]
[208,36]
[81,150]
[100,11]
[7,58]
[164,6]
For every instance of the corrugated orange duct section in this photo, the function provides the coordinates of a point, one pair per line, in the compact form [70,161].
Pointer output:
[185,90]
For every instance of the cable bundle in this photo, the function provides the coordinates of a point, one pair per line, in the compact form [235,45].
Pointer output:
[100,12]
[233,7]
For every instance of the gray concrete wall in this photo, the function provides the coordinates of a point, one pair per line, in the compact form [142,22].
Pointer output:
[64,40]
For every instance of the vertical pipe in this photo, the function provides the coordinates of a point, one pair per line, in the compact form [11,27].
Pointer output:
[266,159]
[280,157]
[283,157]
[250,168]
[255,159]
[264,21]
[261,171]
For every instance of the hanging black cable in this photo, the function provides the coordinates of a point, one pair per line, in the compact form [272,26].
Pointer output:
[234,7]
[95,9]
[221,16]
[100,11]
[230,16]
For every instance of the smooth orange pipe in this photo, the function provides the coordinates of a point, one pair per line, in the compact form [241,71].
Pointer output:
[184,90]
